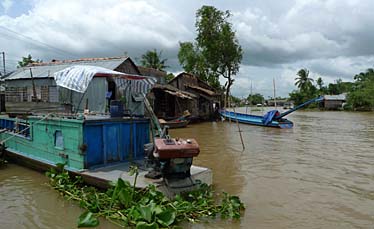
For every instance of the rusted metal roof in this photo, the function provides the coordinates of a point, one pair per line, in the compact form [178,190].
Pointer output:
[206,91]
[174,91]
[151,72]
[46,70]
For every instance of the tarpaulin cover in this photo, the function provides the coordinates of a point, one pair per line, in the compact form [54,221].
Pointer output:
[78,77]
[268,117]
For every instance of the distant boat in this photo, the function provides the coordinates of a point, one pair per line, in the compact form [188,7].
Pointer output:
[272,118]
[180,122]
[173,124]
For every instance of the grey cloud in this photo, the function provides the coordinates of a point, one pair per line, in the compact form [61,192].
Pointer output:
[331,38]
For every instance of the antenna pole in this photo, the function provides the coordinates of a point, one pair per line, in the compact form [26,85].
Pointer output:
[4,62]
[275,101]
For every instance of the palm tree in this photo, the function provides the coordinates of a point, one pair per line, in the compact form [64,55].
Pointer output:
[303,81]
[319,83]
[152,59]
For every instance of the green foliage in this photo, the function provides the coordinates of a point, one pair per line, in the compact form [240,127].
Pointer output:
[231,206]
[169,77]
[339,87]
[193,61]
[27,60]
[306,90]
[126,206]
[361,97]
[218,43]
[319,83]
[360,93]
[153,59]
[300,97]
[87,219]
[303,82]
[235,100]
[216,52]
[255,99]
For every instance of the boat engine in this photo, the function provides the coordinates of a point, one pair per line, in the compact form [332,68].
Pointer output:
[172,158]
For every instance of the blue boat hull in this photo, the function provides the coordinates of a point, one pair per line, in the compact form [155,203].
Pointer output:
[256,120]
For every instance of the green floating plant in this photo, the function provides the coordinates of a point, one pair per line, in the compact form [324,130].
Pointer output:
[125,205]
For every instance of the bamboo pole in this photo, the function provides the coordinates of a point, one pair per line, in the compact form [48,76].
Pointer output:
[240,132]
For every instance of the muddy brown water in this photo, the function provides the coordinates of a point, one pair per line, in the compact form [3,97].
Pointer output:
[320,174]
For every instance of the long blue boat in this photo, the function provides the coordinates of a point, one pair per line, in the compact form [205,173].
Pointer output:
[272,118]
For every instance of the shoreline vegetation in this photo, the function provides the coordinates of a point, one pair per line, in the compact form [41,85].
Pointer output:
[311,108]
[125,206]
[358,95]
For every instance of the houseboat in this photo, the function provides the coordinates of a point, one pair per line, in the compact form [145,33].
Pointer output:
[92,119]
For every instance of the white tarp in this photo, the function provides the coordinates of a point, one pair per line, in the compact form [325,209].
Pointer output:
[78,77]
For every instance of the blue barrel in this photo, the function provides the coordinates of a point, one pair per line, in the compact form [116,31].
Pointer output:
[116,108]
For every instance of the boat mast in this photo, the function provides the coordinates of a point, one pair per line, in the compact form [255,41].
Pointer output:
[275,100]
[250,101]
[251,97]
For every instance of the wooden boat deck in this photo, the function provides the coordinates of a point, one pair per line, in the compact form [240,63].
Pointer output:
[101,177]
[112,173]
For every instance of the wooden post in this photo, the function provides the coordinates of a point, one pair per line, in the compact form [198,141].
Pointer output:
[34,97]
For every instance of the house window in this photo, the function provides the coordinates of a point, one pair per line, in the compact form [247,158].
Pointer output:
[59,139]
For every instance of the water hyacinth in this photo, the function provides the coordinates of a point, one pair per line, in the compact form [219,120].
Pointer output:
[125,205]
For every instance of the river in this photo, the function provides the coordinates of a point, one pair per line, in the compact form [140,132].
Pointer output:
[320,174]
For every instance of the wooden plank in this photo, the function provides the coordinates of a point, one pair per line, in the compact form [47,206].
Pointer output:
[33,107]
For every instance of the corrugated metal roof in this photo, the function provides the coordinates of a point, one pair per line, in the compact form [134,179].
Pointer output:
[167,87]
[206,91]
[45,70]
[151,72]
[336,97]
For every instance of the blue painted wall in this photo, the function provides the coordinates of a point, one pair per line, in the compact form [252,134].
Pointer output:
[114,140]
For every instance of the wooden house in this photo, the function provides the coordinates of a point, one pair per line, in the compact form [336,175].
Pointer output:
[155,73]
[208,100]
[32,89]
[334,102]
[169,102]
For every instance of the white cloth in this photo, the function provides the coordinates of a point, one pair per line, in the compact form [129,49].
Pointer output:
[78,77]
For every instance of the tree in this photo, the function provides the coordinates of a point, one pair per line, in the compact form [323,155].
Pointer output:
[306,90]
[255,99]
[361,96]
[169,77]
[152,59]
[192,61]
[303,82]
[26,61]
[216,52]
[319,83]
[234,100]
[218,43]
[339,87]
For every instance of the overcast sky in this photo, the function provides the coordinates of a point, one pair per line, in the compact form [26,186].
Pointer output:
[333,38]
